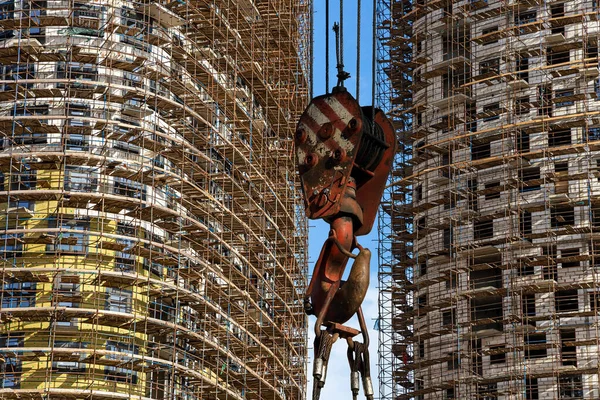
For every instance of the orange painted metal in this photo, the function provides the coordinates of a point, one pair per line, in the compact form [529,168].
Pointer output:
[344,154]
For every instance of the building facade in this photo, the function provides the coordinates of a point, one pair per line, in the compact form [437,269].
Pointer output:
[152,239]
[491,228]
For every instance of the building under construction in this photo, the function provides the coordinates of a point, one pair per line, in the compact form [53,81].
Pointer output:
[491,227]
[153,239]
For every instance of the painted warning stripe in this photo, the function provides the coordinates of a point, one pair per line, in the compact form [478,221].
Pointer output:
[335,111]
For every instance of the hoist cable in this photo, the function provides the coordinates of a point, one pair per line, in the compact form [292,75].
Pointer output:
[312,45]
[374,60]
[342,33]
[326,46]
[358,51]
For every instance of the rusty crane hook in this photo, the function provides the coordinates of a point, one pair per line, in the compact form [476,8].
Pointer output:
[344,153]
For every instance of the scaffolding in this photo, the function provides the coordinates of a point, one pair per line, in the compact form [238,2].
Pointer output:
[489,230]
[153,240]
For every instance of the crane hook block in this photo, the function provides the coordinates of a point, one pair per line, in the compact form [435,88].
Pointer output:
[337,142]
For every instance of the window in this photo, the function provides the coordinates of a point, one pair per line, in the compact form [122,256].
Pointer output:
[118,300]
[449,318]
[562,216]
[421,349]
[523,142]
[452,281]
[76,139]
[487,391]
[564,98]
[480,150]
[491,112]
[566,258]
[124,259]
[557,11]
[12,339]
[591,50]
[484,278]
[530,179]
[68,365]
[566,300]
[528,304]
[592,134]
[535,345]
[559,137]
[561,166]
[419,385]
[7,13]
[67,292]
[10,373]
[531,389]
[492,190]
[498,354]
[129,188]
[489,31]
[90,17]
[422,301]
[78,74]
[525,17]
[483,229]
[568,350]
[422,267]
[72,237]
[454,361]
[449,394]
[18,294]
[33,10]
[554,57]
[132,18]
[525,270]
[81,179]
[24,180]
[522,105]
[570,387]
[526,223]
[473,198]
[490,67]
[545,100]
[11,245]
[19,73]
[418,195]
[522,67]
[447,238]
[121,373]
[485,309]
[28,134]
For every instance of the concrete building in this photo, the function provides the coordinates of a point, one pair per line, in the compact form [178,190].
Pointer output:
[152,237]
[490,272]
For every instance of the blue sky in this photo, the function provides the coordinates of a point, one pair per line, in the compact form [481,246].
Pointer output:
[338,377]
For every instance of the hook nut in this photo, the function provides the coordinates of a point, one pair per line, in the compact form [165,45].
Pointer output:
[326,131]
[354,126]
[300,136]
[311,160]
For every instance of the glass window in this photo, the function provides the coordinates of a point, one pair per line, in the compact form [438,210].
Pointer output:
[129,188]
[80,179]
[570,387]
[11,245]
[65,362]
[121,373]
[118,300]
[18,294]
[72,237]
